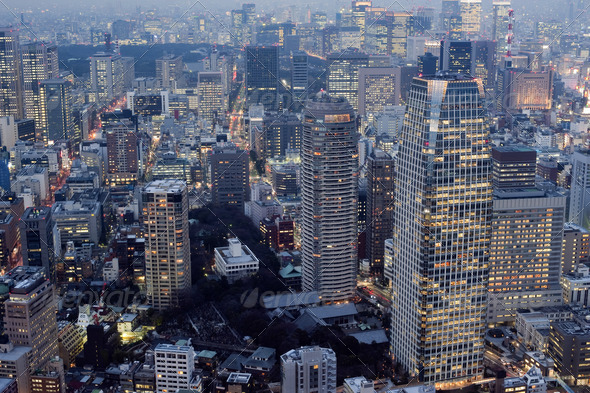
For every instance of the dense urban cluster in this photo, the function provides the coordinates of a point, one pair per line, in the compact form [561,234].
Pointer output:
[295,199]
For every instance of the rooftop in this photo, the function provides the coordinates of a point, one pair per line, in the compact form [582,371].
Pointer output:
[239,378]
[167,185]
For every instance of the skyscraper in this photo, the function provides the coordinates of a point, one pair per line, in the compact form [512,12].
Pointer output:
[580,189]
[30,318]
[441,231]
[380,183]
[11,81]
[525,252]
[210,95]
[39,62]
[279,133]
[56,113]
[524,89]
[110,74]
[169,71]
[167,259]
[40,239]
[343,75]
[470,16]
[484,62]
[262,76]
[457,56]
[329,198]
[378,87]
[230,175]
[500,23]
[122,153]
[299,75]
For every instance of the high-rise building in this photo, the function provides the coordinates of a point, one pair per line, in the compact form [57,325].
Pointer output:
[237,27]
[456,57]
[30,318]
[56,113]
[262,76]
[428,64]
[11,80]
[484,62]
[378,87]
[343,75]
[450,9]
[40,240]
[299,75]
[329,157]
[169,72]
[230,175]
[308,369]
[122,153]
[380,183]
[403,26]
[579,212]
[514,167]
[575,249]
[110,75]
[470,16]
[167,258]
[175,365]
[211,100]
[39,62]
[525,252]
[441,231]
[500,22]
[279,134]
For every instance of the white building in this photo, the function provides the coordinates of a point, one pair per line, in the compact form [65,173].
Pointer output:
[235,261]
[33,179]
[309,369]
[110,271]
[8,132]
[576,286]
[175,365]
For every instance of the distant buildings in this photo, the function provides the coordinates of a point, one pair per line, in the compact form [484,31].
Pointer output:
[308,369]
[210,95]
[11,82]
[122,153]
[262,76]
[110,75]
[169,72]
[343,75]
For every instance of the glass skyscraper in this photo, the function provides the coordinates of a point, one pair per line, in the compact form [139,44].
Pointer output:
[441,231]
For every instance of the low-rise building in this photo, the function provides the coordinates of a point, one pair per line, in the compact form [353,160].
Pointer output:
[235,261]
[576,286]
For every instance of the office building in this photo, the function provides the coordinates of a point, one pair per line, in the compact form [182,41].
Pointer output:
[30,318]
[343,75]
[40,241]
[8,132]
[211,99]
[428,64]
[40,63]
[280,133]
[230,175]
[169,72]
[299,75]
[11,79]
[470,16]
[576,287]
[457,57]
[110,75]
[308,369]
[380,192]
[285,179]
[122,153]
[78,221]
[441,232]
[32,182]
[10,244]
[329,184]
[500,22]
[524,89]
[175,366]
[513,167]
[484,62]
[575,249]
[579,212]
[525,252]
[146,105]
[403,26]
[14,364]
[56,121]
[235,261]
[568,348]
[262,76]
[377,88]
[450,10]
[167,259]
